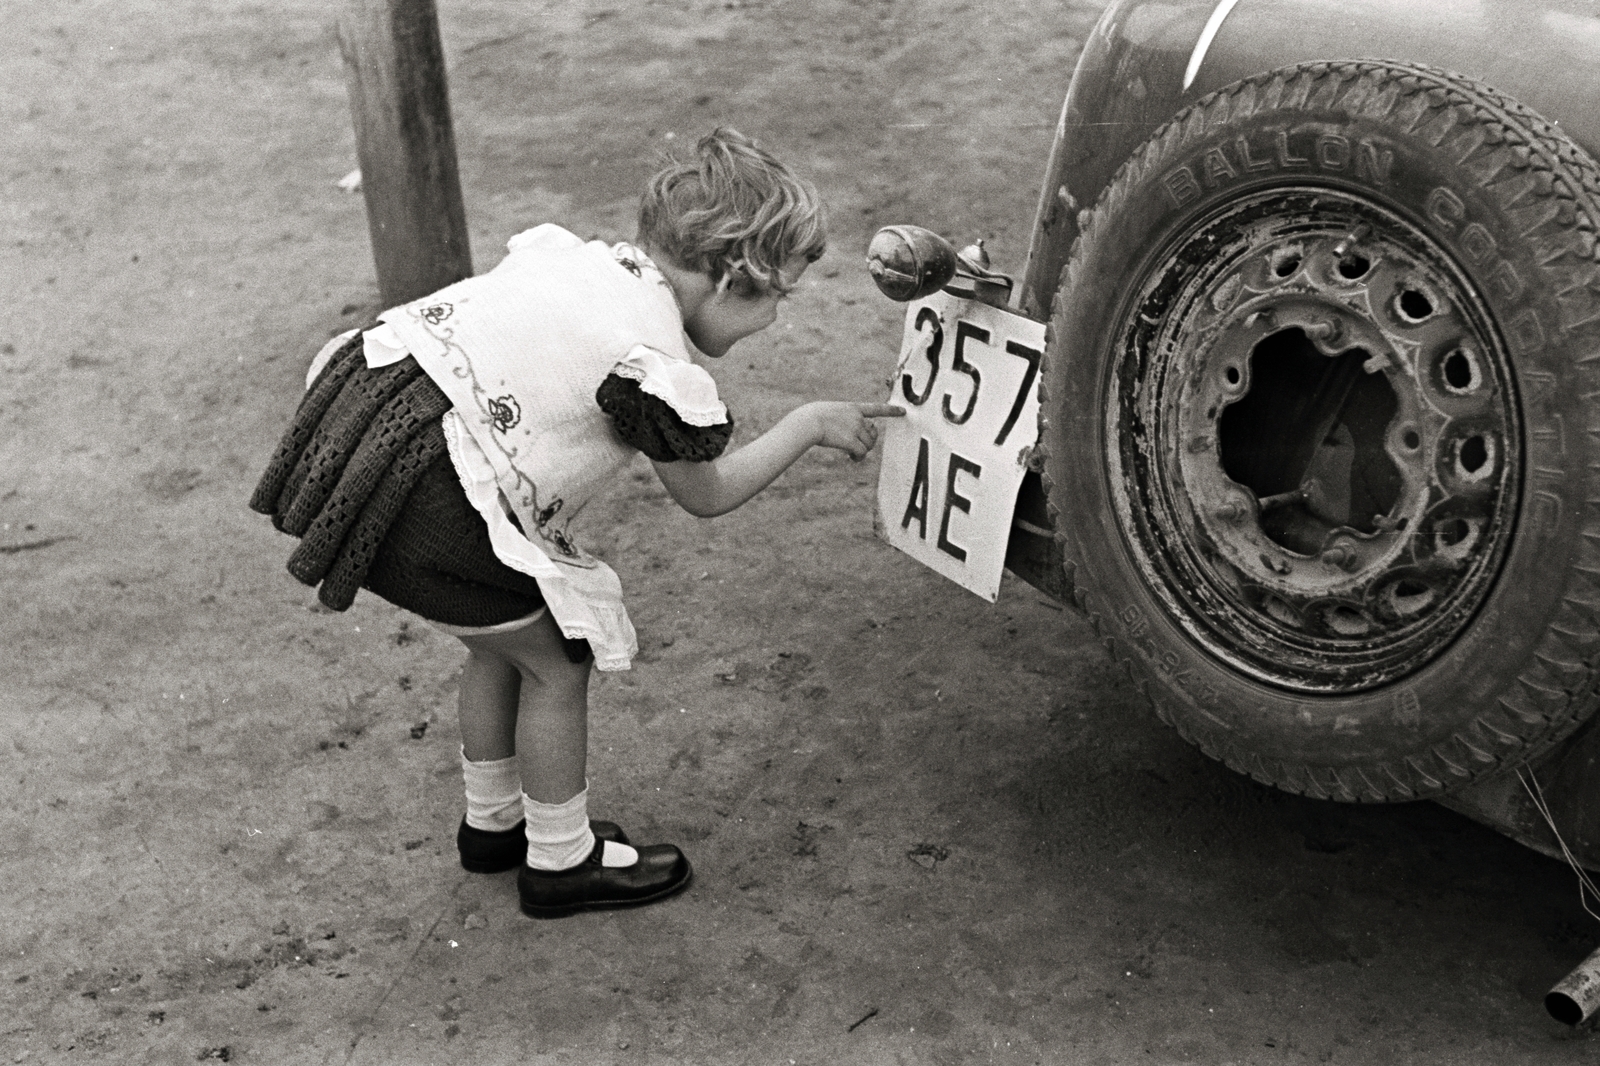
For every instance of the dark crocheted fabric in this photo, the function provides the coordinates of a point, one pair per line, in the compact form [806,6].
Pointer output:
[364,478]
[313,405]
[392,451]
[646,422]
[338,434]
[348,568]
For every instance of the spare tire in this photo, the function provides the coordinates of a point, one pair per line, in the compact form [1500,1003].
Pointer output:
[1322,428]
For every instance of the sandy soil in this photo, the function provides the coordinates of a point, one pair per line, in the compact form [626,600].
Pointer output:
[926,830]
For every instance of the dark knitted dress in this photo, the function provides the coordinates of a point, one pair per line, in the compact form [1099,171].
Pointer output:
[363,478]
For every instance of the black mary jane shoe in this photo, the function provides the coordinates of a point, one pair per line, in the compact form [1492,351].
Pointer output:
[486,852]
[660,871]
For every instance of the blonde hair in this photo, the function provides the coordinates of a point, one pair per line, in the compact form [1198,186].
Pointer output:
[733,212]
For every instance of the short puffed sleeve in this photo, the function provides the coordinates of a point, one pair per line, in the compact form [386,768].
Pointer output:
[667,408]
[548,237]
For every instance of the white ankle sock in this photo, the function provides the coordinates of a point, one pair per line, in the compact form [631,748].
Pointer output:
[559,836]
[494,793]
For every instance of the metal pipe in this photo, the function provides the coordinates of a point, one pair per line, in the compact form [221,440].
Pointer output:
[1576,998]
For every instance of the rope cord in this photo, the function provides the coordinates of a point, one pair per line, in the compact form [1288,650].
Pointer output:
[1586,886]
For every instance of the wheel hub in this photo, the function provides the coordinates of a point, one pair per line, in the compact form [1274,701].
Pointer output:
[1317,441]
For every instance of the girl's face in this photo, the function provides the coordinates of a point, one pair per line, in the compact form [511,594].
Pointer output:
[727,317]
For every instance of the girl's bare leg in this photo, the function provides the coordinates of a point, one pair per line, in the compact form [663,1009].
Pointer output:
[550,697]
[487,702]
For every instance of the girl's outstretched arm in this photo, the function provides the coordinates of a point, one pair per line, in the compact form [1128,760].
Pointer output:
[717,487]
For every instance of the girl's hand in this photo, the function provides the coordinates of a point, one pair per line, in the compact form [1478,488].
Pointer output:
[848,426]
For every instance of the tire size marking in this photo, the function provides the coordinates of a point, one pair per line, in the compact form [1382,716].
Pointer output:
[1301,148]
[1168,662]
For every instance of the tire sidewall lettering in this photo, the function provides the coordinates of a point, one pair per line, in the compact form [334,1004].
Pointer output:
[1172,660]
[1307,148]
[1512,281]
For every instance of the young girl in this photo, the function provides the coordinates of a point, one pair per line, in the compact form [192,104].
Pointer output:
[439,457]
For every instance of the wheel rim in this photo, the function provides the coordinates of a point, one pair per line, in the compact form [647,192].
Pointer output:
[1314,445]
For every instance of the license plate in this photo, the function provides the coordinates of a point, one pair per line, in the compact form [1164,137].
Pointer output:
[968,377]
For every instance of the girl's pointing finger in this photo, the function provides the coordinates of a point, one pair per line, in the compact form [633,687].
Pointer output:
[881,410]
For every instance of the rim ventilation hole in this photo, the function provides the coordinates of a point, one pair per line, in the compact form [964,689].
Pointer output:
[1455,538]
[1407,597]
[1281,612]
[1286,264]
[1411,440]
[1352,267]
[1460,371]
[1474,454]
[1414,305]
[1232,374]
[1347,622]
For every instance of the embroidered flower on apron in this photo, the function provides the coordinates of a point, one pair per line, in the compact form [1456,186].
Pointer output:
[505,412]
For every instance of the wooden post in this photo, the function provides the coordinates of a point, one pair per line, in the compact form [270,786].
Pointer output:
[394,68]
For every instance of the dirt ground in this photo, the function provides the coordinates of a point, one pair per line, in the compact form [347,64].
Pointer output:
[926,830]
